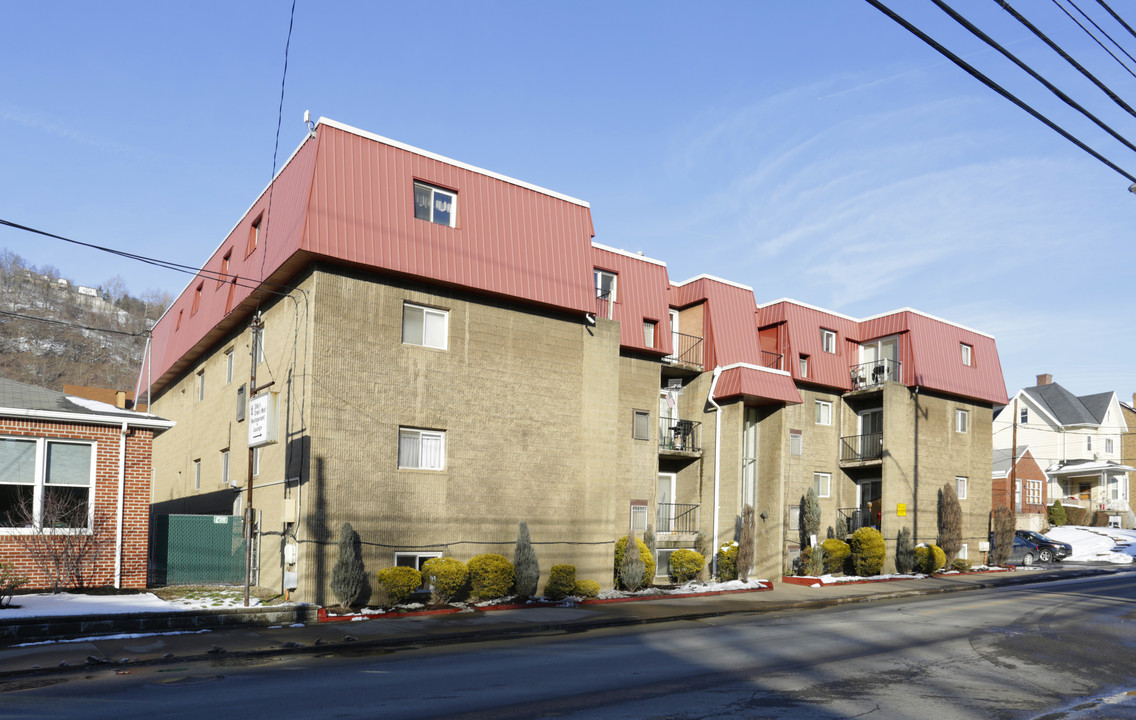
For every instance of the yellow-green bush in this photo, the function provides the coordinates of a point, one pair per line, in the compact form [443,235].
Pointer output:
[586,589]
[685,565]
[448,578]
[867,552]
[929,559]
[645,555]
[561,582]
[728,562]
[835,553]
[396,584]
[961,565]
[490,576]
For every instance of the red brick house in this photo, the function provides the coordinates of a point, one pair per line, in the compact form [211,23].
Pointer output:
[81,466]
[1026,495]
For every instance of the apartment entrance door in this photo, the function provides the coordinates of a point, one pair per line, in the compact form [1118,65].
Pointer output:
[872,434]
[871,505]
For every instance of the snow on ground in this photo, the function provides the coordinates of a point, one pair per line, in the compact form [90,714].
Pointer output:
[1097,544]
[48,604]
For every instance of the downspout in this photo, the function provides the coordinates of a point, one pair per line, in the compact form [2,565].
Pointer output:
[717,463]
[121,504]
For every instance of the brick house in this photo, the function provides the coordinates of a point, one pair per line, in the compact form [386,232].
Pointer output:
[77,464]
[1024,491]
[449,353]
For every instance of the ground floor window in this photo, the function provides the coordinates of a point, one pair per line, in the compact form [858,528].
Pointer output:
[663,560]
[45,483]
[415,560]
[1033,492]
[421,449]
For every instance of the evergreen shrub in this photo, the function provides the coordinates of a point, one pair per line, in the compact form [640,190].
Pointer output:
[929,559]
[961,565]
[1002,535]
[836,552]
[396,584]
[728,562]
[904,552]
[491,576]
[448,577]
[867,552]
[586,589]
[561,582]
[647,558]
[525,566]
[814,566]
[685,565]
[348,577]
[1057,514]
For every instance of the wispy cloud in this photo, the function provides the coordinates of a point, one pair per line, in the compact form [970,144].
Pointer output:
[35,122]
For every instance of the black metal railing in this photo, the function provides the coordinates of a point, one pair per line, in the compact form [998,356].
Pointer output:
[856,518]
[862,447]
[877,372]
[604,305]
[687,350]
[771,360]
[676,517]
[682,435]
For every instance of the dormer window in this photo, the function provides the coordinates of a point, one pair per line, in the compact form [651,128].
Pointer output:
[254,235]
[967,354]
[435,204]
[828,340]
[649,333]
[804,366]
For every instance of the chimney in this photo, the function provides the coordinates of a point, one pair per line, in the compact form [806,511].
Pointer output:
[120,399]
[1044,379]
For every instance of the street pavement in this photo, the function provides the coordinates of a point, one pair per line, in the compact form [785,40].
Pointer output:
[390,633]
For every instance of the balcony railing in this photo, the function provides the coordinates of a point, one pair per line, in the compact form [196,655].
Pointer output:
[680,435]
[676,518]
[857,448]
[687,350]
[604,305]
[875,373]
[857,518]
[771,360]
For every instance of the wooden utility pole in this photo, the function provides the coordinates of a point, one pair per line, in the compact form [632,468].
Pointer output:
[250,516]
[1014,463]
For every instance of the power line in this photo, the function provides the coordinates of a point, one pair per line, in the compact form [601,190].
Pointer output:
[1116,17]
[974,72]
[1094,37]
[70,325]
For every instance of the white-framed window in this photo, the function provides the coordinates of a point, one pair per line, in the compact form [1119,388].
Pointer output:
[828,340]
[962,420]
[640,425]
[967,352]
[46,482]
[1089,443]
[200,384]
[421,449]
[1108,445]
[1023,416]
[425,326]
[229,366]
[225,467]
[197,474]
[823,412]
[649,333]
[794,517]
[804,366]
[822,484]
[1117,487]
[1033,492]
[415,560]
[435,204]
[256,461]
[605,284]
[795,442]
[638,516]
[964,552]
[663,560]
[960,487]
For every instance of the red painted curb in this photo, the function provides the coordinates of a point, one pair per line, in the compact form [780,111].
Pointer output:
[810,581]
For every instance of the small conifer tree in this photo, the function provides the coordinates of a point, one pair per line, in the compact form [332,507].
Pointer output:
[1002,532]
[809,524]
[525,564]
[1057,515]
[348,577]
[904,552]
[631,567]
[841,528]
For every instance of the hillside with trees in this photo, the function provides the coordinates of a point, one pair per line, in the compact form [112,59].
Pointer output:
[54,331]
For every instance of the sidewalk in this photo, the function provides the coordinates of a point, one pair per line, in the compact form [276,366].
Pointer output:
[124,650]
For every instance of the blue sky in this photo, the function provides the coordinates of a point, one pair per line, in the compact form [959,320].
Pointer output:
[812,150]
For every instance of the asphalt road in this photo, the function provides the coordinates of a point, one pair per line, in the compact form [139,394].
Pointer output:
[1064,649]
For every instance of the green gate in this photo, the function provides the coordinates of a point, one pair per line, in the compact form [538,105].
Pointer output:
[197,549]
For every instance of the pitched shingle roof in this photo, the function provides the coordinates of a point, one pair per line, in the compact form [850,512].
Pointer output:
[1062,404]
[1097,404]
[18,396]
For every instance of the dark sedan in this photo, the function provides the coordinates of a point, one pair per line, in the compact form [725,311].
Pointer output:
[1048,549]
[1023,552]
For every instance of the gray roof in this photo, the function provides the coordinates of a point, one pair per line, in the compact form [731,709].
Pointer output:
[1097,404]
[1001,458]
[20,396]
[1062,404]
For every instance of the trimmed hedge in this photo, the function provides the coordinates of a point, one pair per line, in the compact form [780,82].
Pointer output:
[685,565]
[448,577]
[396,584]
[561,582]
[490,576]
[586,589]
[929,559]
[868,551]
[728,562]
[835,553]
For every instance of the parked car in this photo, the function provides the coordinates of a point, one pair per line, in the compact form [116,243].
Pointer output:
[1024,552]
[1048,549]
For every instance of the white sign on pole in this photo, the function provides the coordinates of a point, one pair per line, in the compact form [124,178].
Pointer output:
[262,420]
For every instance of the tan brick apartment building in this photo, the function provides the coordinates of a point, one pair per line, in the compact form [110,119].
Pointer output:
[451,354]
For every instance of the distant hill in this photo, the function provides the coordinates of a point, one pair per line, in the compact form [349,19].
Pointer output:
[80,335]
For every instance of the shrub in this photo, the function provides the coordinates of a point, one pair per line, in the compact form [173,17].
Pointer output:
[835,553]
[746,542]
[685,565]
[929,559]
[814,566]
[561,582]
[396,584]
[525,566]
[808,517]
[702,547]
[1056,514]
[348,577]
[867,552]
[448,577]
[961,565]
[490,576]
[647,573]
[841,528]
[1077,516]
[950,521]
[586,588]
[1002,535]
[904,552]
[727,558]
[10,582]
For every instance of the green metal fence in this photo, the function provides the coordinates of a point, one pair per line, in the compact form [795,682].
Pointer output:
[197,549]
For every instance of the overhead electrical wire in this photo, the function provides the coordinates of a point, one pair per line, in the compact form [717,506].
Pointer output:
[1117,18]
[71,325]
[973,71]
[1094,37]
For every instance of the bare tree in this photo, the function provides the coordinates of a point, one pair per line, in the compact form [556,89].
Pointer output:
[67,542]
[746,542]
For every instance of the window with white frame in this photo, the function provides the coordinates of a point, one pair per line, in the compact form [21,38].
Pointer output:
[200,385]
[435,204]
[964,551]
[649,333]
[229,366]
[1033,492]
[795,442]
[804,366]
[605,285]
[425,326]
[415,560]
[1117,487]
[1108,445]
[828,340]
[960,487]
[822,484]
[638,516]
[794,517]
[225,467]
[46,482]
[197,474]
[421,449]
[1023,416]
[823,412]
[967,352]
[640,425]
[1089,443]
[962,420]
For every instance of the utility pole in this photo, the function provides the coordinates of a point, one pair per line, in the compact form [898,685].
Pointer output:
[250,516]
[1014,463]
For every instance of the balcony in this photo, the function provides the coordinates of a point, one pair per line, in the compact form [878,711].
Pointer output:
[687,351]
[875,373]
[862,449]
[676,518]
[680,436]
[771,360]
[604,306]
